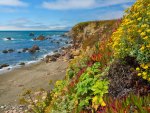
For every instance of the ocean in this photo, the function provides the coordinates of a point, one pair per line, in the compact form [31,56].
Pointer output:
[22,39]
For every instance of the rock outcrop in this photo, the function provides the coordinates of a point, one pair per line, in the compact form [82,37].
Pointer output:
[88,33]
[41,37]
[34,49]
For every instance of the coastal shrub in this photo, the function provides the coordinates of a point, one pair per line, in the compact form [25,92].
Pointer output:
[102,53]
[129,104]
[133,37]
[90,88]
[36,101]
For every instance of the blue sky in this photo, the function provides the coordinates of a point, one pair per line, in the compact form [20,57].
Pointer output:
[57,14]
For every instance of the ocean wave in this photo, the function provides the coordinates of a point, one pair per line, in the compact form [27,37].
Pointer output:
[8,39]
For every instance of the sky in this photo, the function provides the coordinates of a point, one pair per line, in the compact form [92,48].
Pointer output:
[57,14]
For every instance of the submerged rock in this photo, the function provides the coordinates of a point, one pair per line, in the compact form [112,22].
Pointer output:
[25,49]
[31,34]
[9,38]
[8,51]
[4,51]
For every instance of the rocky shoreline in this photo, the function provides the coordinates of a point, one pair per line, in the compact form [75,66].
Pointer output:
[65,54]
[34,49]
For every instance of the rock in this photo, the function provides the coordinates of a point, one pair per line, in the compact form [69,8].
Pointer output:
[55,51]
[60,40]
[34,38]
[25,49]
[9,38]
[4,51]
[69,56]
[34,49]
[76,52]
[54,57]
[31,34]
[57,42]
[57,55]
[41,37]
[22,63]
[3,65]
[66,42]
[10,50]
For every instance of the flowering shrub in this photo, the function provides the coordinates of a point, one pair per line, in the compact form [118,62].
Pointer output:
[130,104]
[102,53]
[133,36]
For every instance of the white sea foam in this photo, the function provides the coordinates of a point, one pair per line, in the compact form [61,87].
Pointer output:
[6,39]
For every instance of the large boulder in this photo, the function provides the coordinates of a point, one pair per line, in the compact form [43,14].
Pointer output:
[34,49]
[53,58]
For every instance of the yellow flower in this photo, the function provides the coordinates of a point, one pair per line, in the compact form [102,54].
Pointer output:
[144,77]
[148,30]
[146,37]
[142,65]
[139,74]
[139,19]
[145,67]
[138,69]
[103,103]
[144,73]
[144,25]
[146,20]
[142,48]
[94,100]
[143,34]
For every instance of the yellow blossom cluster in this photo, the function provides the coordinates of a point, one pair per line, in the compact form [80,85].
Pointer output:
[133,36]
[144,71]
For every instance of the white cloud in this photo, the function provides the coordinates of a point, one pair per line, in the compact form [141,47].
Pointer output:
[12,3]
[68,4]
[81,4]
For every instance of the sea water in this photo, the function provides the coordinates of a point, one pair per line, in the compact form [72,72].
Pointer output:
[22,39]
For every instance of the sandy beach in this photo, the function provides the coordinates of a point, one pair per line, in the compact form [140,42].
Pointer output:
[34,77]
